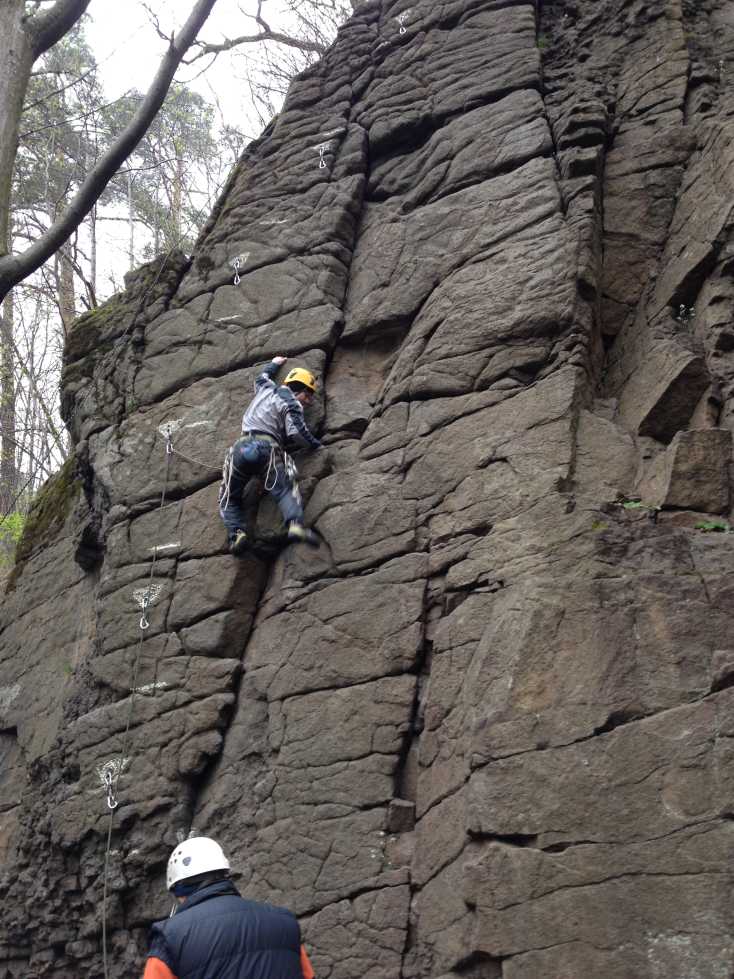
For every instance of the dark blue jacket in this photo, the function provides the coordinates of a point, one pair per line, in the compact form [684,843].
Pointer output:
[216,934]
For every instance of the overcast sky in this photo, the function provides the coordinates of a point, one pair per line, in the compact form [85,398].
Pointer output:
[128,48]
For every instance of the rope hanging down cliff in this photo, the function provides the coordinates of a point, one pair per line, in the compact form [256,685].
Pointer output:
[112,771]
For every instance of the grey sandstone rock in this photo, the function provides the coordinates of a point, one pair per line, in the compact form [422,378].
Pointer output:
[693,473]
[484,731]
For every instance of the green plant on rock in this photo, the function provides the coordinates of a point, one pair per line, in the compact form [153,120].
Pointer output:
[637,505]
[47,515]
[713,526]
[11,527]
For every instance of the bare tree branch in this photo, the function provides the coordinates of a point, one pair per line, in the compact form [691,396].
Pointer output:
[227,44]
[14,268]
[48,28]
[266,34]
[57,435]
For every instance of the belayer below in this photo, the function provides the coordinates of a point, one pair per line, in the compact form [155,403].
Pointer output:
[213,933]
[273,419]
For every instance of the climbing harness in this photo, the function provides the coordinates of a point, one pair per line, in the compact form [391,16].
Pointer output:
[271,473]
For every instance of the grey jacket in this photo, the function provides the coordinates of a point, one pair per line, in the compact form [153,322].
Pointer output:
[275,411]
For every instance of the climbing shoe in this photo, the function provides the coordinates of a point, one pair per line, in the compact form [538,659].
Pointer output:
[298,534]
[238,544]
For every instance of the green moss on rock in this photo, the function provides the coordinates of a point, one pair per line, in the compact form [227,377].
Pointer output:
[47,515]
[95,331]
[85,334]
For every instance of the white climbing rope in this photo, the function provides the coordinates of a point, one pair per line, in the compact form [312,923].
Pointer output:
[112,770]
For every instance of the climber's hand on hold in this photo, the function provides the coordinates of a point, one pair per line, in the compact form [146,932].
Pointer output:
[279,360]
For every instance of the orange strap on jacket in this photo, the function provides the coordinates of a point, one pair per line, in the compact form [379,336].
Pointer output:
[155,969]
[306,967]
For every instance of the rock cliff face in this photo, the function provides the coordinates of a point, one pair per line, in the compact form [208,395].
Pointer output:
[488,731]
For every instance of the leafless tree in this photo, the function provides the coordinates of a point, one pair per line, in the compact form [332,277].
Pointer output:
[28,29]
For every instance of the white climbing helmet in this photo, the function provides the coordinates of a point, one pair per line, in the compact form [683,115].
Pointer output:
[199,855]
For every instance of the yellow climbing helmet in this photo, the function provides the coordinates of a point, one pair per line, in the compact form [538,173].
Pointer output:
[303,377]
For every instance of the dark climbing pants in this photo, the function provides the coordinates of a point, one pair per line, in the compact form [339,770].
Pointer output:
[253,465]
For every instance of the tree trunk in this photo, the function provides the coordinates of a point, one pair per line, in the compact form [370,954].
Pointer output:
[8,468]
[16,60]
[93,255]
[67,298]
[157,218]
[178,195]
[131,223]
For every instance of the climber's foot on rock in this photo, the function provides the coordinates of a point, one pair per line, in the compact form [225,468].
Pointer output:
[299,534]
[238,544]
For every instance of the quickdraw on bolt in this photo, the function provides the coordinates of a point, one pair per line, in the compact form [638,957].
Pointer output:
[401,19]
[236,265]
[109,784]
[144,623]
[322,161]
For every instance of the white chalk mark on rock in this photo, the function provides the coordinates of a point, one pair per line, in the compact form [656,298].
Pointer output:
[169,428]
[145,597]
[157,548]
[114,768]
[8,695]
[148,689]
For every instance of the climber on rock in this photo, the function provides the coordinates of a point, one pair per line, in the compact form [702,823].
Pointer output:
[213,932]
[273,419]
